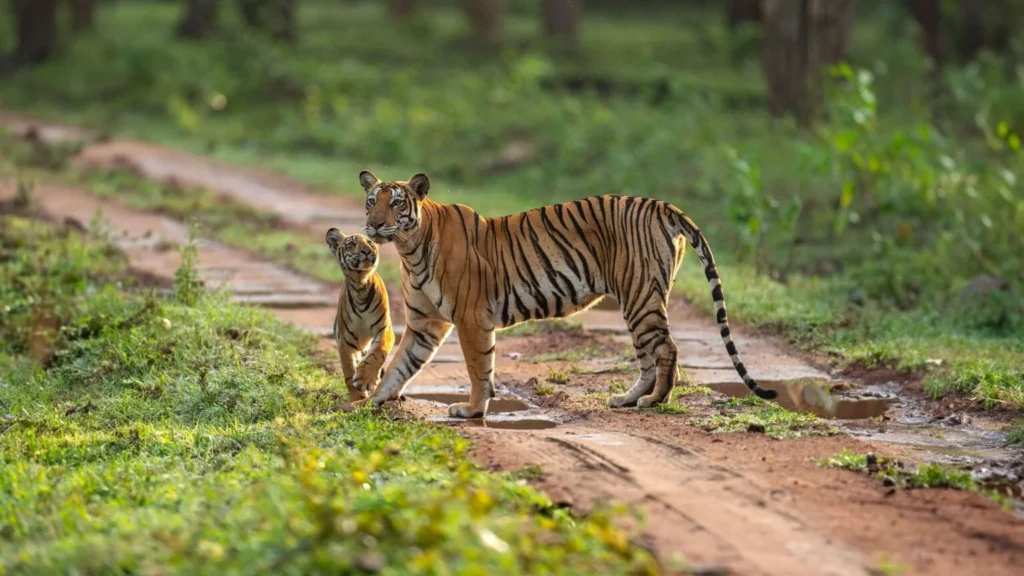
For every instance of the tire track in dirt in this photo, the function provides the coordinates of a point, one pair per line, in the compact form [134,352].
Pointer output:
[741,502]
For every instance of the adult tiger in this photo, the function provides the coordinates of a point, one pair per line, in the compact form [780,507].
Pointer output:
[476,274]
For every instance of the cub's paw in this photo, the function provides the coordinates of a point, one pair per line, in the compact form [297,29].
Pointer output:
[465,410]
[621,401]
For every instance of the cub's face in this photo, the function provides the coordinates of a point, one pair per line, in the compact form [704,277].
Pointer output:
[392,207]
[354,252]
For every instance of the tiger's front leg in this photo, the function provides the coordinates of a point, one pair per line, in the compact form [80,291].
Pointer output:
[420,341]
[478,349]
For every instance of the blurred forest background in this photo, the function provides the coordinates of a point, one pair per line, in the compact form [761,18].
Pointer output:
[855,163]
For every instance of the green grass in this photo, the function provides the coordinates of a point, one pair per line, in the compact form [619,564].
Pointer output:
[751,414]
[864,232]
[142,434]
[927,475]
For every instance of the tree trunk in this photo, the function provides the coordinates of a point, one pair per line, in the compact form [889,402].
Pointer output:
[36,25]
[740,11]
[401,9]
[83,15]
[275,17]
[199,19]
[973,36]
[928,15]
[560,18]
[801,38]
[486,20]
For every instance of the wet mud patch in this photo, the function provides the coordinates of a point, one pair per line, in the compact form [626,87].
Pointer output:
[497,405]
[817,397]
[563,345]
[501,423]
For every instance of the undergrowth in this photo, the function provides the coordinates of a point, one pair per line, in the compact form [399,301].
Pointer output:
[142,434]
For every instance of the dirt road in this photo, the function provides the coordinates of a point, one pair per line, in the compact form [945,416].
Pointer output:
[739,502]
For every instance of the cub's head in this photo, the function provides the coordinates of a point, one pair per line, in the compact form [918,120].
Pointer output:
[354,253]
[392,207]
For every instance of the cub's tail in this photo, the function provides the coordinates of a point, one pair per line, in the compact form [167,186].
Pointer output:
[693,235]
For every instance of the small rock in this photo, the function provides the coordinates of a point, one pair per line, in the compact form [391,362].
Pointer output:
[514,356]
[757,428]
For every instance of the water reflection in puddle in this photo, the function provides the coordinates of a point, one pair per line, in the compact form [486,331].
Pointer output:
[814,396]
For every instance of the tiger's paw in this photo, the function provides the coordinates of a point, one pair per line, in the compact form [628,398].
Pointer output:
[465,410]
[648,401]
[621,401]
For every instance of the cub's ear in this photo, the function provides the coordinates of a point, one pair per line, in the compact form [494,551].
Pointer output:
[334,238]
[368,180]
[420,185]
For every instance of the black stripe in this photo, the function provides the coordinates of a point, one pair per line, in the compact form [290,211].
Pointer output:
[716,293]
[709,271]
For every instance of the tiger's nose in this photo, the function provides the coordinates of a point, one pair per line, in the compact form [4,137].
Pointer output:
[376,224]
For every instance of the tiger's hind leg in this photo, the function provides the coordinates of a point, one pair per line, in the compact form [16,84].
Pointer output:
[651,332]
[643,385]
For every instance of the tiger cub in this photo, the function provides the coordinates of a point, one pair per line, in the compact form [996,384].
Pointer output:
[362,324]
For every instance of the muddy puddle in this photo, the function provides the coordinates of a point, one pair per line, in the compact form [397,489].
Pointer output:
[500,404]
[814,396]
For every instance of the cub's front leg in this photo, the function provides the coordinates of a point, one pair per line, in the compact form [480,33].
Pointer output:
[349,356]
[371,369]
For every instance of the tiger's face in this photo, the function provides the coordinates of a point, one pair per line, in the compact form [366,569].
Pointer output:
[354,253]
[392,208]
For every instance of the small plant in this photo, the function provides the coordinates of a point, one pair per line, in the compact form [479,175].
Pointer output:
[887,567]
[557,376]
[187,284]
[669,406]
[618,386]
[23,198]
[543,389]
[693,390]
[846,459]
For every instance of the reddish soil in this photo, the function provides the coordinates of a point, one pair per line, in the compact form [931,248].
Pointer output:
[742,502]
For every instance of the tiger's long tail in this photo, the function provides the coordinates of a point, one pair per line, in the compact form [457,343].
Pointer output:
[693,235]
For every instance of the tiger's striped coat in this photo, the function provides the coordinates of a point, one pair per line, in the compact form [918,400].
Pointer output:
[463,271]
[362,323]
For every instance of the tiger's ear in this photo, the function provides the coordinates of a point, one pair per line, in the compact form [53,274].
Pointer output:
[334,238]
[368,180]
[420,185]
